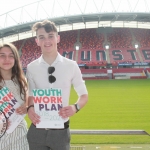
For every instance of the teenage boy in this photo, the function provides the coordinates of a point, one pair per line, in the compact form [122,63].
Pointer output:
[51,71]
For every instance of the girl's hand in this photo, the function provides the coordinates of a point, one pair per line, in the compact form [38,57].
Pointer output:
[21,110]
[8,124]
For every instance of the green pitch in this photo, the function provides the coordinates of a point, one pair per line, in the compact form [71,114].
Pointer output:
[112,105]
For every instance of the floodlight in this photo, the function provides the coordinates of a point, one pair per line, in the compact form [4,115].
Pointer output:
[136,45]
[77,47]
[107,46]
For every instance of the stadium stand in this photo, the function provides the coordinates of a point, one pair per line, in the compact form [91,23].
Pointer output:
[90,39]
[94,74]
[66,45]
[145,53]
[30,51]
[67,40]
[148,74]
[91,42]
[69,53]
[133,73]
[18,44]
[121,55]
[120,73]
[120,38]
[92,53]
[142,36]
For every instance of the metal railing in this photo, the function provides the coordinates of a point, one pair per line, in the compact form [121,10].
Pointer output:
[105,132]
[110,132]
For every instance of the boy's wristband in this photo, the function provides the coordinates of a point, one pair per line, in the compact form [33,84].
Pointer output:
[29,107]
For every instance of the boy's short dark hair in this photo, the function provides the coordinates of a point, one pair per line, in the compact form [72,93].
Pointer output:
[46,24]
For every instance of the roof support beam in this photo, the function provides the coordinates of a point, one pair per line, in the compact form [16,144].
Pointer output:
[132,18]
[83,20]
[115,18]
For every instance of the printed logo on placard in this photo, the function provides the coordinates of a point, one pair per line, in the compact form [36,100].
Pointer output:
[3,124]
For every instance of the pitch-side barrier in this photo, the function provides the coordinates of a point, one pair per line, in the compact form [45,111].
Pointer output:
[105,132]
[110,132]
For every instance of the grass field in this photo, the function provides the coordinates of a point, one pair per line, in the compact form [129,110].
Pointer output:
[113,104]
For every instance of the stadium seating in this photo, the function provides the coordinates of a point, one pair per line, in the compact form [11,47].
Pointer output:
[92,52]
[142,36]
[120,38]
[131,73]
[67,40]
[18,44]
[94,74]
[91,40]
[30,51]
[145,54]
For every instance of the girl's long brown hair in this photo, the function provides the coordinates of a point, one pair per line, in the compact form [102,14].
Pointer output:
[17,72]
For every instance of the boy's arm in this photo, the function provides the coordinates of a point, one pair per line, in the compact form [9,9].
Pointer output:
[70,110]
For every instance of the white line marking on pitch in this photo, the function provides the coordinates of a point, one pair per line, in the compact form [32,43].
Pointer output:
[115,147]
[135,147]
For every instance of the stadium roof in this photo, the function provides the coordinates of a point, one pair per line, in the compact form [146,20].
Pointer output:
[75,14]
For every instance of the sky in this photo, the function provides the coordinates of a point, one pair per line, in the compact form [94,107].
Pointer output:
[7,5]
[58,8]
